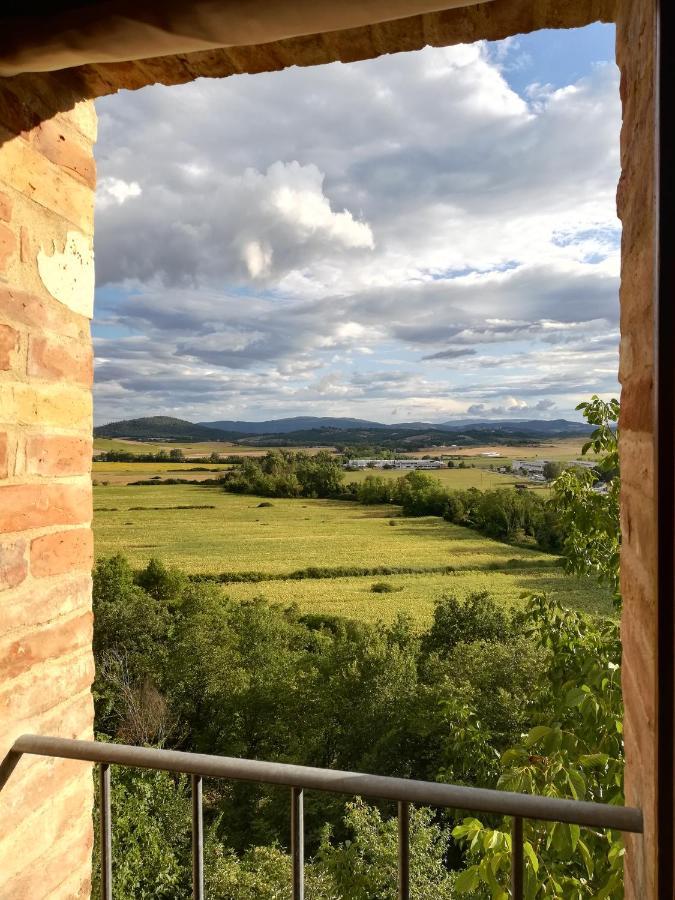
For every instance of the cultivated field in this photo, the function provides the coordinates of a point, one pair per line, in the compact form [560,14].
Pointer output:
[453,479]
[563,450]
[414,595]
[125,473]
[235,535]
[192,450]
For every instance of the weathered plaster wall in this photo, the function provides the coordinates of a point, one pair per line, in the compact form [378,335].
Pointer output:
[635,56]
[488,21]
[47,179]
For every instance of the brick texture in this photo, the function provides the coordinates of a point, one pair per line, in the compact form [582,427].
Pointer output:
[9,343]
[56,454]
[635,41]
[56,358]
[13,562]
[4,455]
[62,552]
[46,666]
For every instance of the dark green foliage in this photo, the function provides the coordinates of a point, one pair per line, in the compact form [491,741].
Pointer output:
[477,619]
[165,428]
[180,665]
[328,573]
[552,469]
[150,837]
[281,473]
[590,519]
[184,506]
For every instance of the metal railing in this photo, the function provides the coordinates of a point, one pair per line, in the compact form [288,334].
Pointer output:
[300,778]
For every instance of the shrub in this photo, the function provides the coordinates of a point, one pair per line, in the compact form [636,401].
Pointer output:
[384,587]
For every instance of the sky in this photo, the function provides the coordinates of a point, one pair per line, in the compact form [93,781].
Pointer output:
[425,236]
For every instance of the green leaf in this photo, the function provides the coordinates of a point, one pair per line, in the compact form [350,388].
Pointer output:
[576,783]
[468,880]
[586,856]
[594,760]
[531,855]
[537,734]
[575,696]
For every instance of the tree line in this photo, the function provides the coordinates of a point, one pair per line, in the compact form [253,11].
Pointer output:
[181,666]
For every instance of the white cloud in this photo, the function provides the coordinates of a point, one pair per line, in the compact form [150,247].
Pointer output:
[411,214]
[112,191]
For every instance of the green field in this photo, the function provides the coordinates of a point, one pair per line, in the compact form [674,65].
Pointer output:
[414,595]
[124,472]
[453,479]
[457,479]
[192,449]
[238,535]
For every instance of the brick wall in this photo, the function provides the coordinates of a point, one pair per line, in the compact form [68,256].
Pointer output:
[635,56]
[46,292]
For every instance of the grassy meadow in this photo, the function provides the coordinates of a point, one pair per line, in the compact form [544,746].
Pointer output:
[203,530]
[191,449]
[125,472]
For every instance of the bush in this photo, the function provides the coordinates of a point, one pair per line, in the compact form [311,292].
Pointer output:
[384,587]
[477,619]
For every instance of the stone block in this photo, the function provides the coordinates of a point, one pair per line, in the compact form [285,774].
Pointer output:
[7,245]
[24,506]
[13,563]
[55,454]
[9,344]
[57,405]
[60,359]
[61,552]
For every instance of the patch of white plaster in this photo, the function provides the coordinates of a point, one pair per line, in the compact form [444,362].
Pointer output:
[68,275]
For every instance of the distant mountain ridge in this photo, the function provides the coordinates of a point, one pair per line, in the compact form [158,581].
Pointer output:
[307,423]
[293,423]
[169,428]
[162,428]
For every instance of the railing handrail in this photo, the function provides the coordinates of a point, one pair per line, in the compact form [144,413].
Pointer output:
[423,793]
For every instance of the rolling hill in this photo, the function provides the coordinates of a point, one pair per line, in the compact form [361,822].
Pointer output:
[341,432]
[162,428]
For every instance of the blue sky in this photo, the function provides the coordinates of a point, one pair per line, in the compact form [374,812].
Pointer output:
[422,236]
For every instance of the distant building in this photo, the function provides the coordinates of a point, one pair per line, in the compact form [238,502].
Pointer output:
[410,464]
[530,467]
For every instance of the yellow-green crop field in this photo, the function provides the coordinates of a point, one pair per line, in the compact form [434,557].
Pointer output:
[236,534]
[126,472]
[192,449]
[414,595]
[562,449]
[453,479]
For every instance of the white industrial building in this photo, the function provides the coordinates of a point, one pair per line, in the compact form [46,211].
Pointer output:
[394,464]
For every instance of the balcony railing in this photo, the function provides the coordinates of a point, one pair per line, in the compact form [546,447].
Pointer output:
[300,778]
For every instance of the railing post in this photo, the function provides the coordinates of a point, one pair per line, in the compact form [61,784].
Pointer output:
[403,850]
[298,843]
[105,831]
[517,858]
[197,839]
